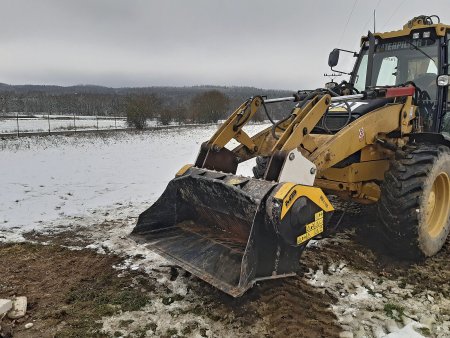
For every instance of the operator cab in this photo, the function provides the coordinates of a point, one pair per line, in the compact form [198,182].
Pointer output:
[416,55]
[408,59]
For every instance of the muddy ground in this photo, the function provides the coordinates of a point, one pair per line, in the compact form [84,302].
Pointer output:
[67,290]
[114,288]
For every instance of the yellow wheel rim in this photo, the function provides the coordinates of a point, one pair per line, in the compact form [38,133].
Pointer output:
[437,208]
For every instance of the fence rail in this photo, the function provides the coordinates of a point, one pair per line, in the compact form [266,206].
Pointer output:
[56,124]
[12,126]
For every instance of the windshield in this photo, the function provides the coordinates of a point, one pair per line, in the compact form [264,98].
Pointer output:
[396,62]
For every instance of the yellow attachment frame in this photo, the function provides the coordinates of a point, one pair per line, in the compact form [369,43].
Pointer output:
[296,129]
[295,133]
[305,119]
[325,151]
[232,127]
[290,192]
[363,132]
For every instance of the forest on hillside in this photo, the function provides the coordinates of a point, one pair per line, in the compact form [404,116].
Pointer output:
[167,103]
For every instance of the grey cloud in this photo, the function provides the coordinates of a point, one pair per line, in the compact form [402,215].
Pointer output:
[271,44]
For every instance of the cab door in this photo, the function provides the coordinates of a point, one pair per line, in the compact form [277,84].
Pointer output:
[446,120]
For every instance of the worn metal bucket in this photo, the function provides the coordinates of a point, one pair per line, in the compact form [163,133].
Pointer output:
[228,229]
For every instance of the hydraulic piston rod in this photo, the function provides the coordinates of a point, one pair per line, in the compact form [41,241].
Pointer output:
[333,99]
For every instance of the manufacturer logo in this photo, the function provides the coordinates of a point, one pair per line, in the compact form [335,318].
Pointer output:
[290,198]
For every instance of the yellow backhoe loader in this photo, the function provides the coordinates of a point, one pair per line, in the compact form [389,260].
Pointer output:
[381,138]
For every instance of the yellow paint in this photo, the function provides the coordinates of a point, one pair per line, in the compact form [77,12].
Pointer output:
[183,170]
[303,123]
[440,30]
[235,180]
[318,215]
[347,141]
[357,172]
[282,192]
[291,192]
[312,229]
[314,225]
[229,129]
[339,109]
[437,206]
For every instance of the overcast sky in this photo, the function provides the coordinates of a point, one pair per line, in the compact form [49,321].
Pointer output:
[268,44]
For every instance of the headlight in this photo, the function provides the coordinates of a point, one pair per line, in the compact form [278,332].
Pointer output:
[443,80]
[330,85]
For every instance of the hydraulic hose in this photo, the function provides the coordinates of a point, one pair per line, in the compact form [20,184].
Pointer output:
[238,124]
[324,118]
[300,104]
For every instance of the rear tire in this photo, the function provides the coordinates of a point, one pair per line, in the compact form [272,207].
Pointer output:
[414,208]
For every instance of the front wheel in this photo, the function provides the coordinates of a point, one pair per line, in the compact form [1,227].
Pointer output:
[414,208]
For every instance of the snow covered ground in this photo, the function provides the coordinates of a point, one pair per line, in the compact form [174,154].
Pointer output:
[52,177]
[102,182]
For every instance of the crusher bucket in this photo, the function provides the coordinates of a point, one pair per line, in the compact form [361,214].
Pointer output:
[232,231]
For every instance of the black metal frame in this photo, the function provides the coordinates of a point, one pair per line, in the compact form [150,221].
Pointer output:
[442,91]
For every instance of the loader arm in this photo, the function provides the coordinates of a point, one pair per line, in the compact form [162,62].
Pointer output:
[295,130]
[363,132]
[232,127]
[325,151]
[305,119]
[213,154]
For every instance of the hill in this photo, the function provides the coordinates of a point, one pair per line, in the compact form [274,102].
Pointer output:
[98,100]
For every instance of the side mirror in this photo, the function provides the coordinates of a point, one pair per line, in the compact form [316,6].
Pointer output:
[443,80]
[333,59]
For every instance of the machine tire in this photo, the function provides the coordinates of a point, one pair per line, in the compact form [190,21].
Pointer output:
[261,165]
[414,207]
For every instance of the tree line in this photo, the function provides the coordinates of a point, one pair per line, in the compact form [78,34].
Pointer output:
[79,104]
[207,107]
[199,104]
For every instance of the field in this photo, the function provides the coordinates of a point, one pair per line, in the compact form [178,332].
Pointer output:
[68,204]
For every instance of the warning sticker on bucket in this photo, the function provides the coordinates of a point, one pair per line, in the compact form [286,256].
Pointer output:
[313,228]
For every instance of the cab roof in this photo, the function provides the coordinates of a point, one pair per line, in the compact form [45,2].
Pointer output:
[413,24]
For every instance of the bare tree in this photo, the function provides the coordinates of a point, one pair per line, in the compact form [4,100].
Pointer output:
[209,106]
[140,108]
[166,116]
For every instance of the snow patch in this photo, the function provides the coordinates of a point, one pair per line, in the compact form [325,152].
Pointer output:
[371,306]
[407,331]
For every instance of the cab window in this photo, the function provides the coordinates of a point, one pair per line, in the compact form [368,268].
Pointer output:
[418,67]
[387,75]
[360,79]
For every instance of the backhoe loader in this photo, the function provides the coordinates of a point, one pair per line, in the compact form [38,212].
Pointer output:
[382,138]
